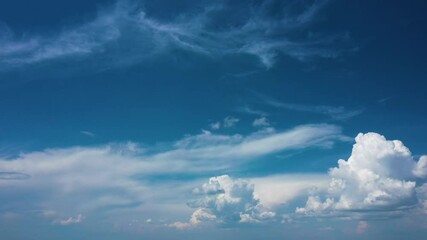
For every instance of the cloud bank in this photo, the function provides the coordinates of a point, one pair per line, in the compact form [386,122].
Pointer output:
[87,180]
[381,178]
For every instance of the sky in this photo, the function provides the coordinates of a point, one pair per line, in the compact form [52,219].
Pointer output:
[257,119]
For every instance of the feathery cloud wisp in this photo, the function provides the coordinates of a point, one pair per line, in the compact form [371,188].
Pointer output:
[128,34]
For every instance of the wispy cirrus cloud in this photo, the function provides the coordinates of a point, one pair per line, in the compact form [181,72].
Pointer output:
[249,110]
[334,112]
[88,133]
[128,34]
[337,113]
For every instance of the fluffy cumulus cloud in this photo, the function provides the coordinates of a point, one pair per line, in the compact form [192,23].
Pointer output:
[131,33]
[226,201]
[380,174]
[276,191]
[421,168]
[422,194]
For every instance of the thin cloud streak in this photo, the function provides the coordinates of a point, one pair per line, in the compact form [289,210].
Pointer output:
[339,113]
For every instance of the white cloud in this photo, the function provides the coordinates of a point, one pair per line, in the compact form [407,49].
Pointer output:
[277,190]
[197,218]
[362,226]
[79,41]
[116,176]
[227,201]
[135,34]
[13,176]
[256,144]
[251,111]
[72,220]
[230,121]
[215,126]
[88,133]
[422,195]
[337,113]
[315,206]
[420,169]
[379,175]
[261,122]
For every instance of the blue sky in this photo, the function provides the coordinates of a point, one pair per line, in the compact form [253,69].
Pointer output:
[217,119]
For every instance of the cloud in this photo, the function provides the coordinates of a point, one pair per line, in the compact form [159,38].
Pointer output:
[422,195]
[197,218]
[251,111]
[337,113]
[13,176]
[362,226]
[88,133]
[126,176]
[224,147]
[278,190]
[72,220]
[378,176]
[261,122]
[230,121]
[420,169]
[315,206]
[379,179]
[215,126]
[334,112]
[129,34]
[227,201]
[80,41]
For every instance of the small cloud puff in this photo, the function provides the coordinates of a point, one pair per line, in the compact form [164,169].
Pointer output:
[72,220]
[261,122]
[362,226]
[215,126]
[230,121]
